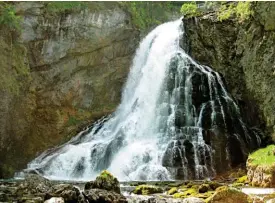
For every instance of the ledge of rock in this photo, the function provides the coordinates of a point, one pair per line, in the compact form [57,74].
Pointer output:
[261,167]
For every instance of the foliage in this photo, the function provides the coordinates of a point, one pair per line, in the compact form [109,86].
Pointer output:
[8,17]
[64,6]
[264,156]
[146,14]
[190,9]
[225,12]
[242,10]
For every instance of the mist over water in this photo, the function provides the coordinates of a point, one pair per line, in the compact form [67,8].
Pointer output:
[158,132]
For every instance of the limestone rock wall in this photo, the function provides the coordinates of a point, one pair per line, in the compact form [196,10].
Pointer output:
[244,53]
[65,70]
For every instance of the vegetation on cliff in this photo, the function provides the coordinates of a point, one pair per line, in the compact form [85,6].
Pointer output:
[8,17]
[146,14]
[241,10]
[264,156]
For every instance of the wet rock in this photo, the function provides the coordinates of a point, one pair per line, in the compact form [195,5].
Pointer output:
[68,192]
[103,196]
[192,200]
[203,188]
[228,195]
[147,189]
[105,181]
[55,200]
[34,184]
[261,168]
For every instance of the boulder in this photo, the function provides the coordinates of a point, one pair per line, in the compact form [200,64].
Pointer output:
[203,188]
[68,192]
[147,190]
[261,167]
[105,181]
[103,196]
[55,200]
[34,184]
[228,195]
[192,200]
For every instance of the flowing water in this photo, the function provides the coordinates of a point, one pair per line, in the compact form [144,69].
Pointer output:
[167,124]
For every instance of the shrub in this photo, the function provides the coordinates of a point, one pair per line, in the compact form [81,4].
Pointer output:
[242,10]
[8,17]
[190,9]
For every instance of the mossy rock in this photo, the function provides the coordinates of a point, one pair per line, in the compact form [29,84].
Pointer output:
[105,181]
[242,179]
[263,157]
[237,185]
[147,190]
[172,191]
[189,192]
[229,195]
[203,188]
[214,185]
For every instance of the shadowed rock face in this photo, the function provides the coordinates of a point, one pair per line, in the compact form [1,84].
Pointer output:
[64,71]
[210,135]
[243,53]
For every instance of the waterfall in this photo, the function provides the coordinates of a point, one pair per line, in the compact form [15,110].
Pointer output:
[176,120]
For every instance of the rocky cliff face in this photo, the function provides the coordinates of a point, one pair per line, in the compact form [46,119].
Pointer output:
[63,70]
[244,53]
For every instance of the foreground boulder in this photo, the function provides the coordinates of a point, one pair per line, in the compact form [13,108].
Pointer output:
[105,189]
[34,184]
[55,200]
[68,192]
[105,181]
[261,167]
[147,189]
[103,196]
[228,195]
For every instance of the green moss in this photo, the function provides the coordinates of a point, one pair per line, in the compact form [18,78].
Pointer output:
[189,192]
[64,6]
[172,191]
[228,194]
[106,175]
[237,185]
[242,179]
[264,156]
[146,190]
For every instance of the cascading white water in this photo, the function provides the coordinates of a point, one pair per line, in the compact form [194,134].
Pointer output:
[146,137]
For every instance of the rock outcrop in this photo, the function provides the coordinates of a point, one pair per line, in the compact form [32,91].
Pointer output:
[243,52]
[65,70]
[261,167]
[230,195]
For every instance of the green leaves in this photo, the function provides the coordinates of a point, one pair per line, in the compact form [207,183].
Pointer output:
[242,10]
[190,9]
[8,17]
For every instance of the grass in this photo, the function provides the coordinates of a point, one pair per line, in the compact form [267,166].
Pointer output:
[264,156]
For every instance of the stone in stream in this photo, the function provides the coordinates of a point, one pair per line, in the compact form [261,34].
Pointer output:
[229,195]
[103,196]
[68,192]
[105,189]
[105,181]
[55,200]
